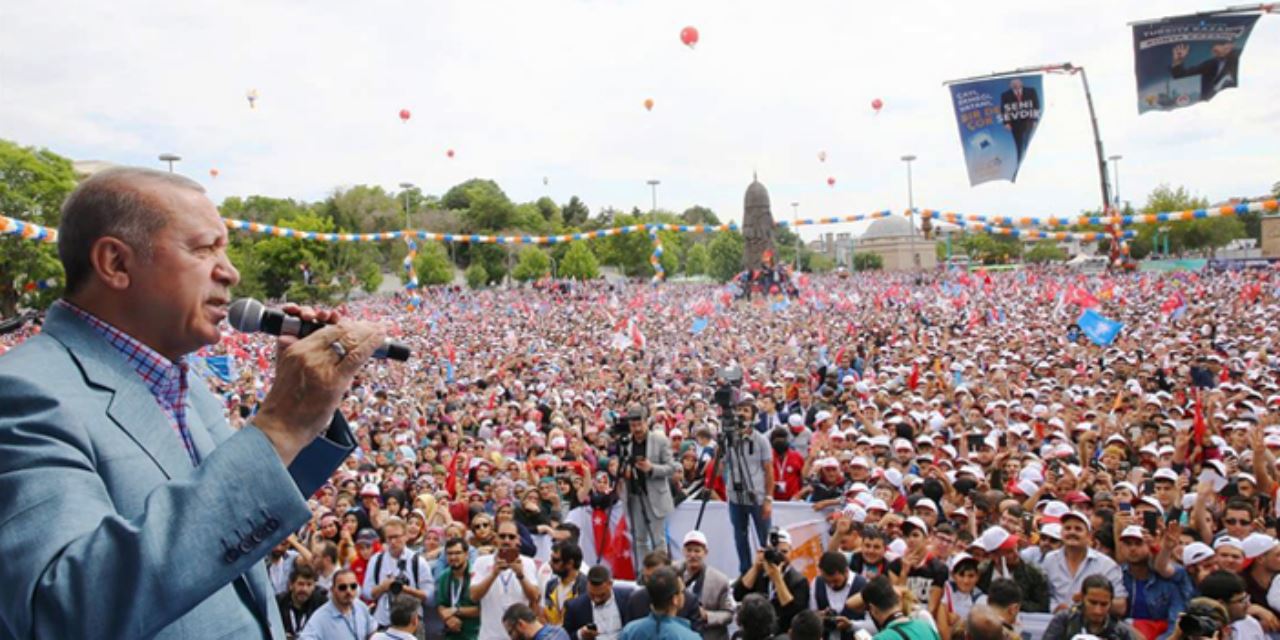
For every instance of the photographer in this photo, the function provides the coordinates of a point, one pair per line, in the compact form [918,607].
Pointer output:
[394,571]
[1092,615]
[773,576]
[746,463]
[646,466]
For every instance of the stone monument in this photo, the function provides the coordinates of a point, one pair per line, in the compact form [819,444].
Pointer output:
[757,226]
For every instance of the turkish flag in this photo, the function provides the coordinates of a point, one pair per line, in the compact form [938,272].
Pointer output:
[914,380]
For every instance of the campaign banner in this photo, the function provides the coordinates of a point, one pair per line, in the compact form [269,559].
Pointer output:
[997,119]
[1188,59]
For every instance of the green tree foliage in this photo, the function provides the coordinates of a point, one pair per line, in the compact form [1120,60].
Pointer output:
[579,263]
[462,195]
[262,209]
[985,248]
[492,257]
[628,251]
[477,277]
[1045,251]
[697,260]
[699,214]
[533,264]
[432,264]
[575,213]
[33,184]
[1202,235]
[820,263]
[550,211]
[725,252]
[867,261]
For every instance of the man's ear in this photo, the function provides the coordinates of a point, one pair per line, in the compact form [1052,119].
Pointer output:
[112,260]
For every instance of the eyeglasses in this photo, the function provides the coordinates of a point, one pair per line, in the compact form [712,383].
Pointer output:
[345,587]
[480,525]
[1235,521]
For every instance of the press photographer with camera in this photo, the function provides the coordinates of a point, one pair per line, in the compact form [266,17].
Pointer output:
[772,576]
[646,465]
[395,571]
[746,464]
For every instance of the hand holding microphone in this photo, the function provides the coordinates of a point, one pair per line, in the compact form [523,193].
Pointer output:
[312,372]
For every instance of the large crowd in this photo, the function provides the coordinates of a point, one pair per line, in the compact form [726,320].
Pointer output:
[975,455]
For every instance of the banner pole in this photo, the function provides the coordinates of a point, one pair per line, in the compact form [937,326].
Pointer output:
[1097,138]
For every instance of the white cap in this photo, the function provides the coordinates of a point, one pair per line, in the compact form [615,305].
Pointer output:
[1079,516]
[957,559]
[1132,531]
[995,538]
[856,512]
[795,420]
[929,504]
[897,548]
[1165,474]
[370,489]
[827,462]
[1258,544]
[877,504]
[1195,553]
[1052,530]
[916,522]
[695,537]
[1228,541]
[1054,510]
[860,462]
[822,415]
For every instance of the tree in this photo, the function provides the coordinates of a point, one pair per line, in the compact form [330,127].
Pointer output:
[867,261]
[697,261]
[579,262]
[1045,251]
[490,210]
[432,264]
[628,251]
[725,252]
[1204,234]
[699,214]
[820,263]
[550,211]
[533,265]
[33,184]
[575,213]
[274,265]
[477,277]
[462,194]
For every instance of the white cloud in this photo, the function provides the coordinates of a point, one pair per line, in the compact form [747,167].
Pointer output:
[523,90]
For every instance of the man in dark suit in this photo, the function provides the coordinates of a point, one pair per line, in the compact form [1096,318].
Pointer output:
[1220,71]
[117,462]
[1020,112]
[601,612]
[638,604]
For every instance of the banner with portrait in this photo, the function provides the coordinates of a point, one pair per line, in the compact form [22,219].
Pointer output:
[1188,59]
[997,119]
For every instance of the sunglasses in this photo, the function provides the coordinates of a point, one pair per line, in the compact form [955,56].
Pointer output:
[345,587]
[1235,521]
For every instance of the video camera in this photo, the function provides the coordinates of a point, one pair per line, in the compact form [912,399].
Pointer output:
[401,579]
[622,422]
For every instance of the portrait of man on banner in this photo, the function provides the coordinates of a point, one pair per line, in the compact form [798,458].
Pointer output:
[997,118]
[1020,112]
[1185,60]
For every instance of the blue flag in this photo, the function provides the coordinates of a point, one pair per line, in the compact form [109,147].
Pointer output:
[1100,330]
[219,367]
[699,325]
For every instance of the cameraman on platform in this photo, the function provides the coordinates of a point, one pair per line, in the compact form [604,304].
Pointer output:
[395,571]
[647,465]
[746,464]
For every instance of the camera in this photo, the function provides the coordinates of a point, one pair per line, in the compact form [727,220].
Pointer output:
[771,553]
[726,394]
[829,621]
[401,580]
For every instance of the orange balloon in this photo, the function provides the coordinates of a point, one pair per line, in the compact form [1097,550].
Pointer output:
[648,104]
[213,173]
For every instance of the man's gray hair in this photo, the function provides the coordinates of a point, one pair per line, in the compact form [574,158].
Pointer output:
[115,203]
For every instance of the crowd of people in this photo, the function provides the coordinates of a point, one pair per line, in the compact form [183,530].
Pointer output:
[975,455]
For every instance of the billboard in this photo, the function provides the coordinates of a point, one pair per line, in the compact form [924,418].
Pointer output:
[997,118]
[1188,59]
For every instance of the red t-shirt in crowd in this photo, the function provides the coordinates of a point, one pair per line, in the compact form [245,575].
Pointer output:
[787,474]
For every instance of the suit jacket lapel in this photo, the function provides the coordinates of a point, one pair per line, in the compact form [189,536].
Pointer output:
[132,407]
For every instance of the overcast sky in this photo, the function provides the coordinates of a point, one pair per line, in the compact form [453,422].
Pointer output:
[524,90]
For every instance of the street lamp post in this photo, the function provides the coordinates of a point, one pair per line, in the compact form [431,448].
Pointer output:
[653,185]
[170,158]
[911,200]
[1115,161]
[405,187]
[795,228]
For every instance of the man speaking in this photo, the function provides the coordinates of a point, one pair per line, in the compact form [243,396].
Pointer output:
[132,510]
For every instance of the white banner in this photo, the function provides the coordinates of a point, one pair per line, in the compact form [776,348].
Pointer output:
[722,552]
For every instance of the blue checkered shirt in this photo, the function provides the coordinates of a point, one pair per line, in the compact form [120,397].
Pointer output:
[166,379]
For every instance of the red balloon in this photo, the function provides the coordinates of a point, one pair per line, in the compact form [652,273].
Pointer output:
[404,115]
[213,173]
[449,153]
[689,36]
[877,104]
[831,182]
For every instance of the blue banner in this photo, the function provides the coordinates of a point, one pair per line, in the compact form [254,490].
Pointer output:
[220,367]
[997,119]
[1100,329]
[1188,59]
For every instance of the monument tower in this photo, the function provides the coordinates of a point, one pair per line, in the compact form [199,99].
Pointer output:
[757,226]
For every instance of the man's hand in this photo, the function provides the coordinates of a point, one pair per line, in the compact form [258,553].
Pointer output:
[644,465]
[310,381]
[588,634]
[843,623]
[766,510]
[453,623]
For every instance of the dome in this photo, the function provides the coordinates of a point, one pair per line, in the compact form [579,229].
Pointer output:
[757,195]
[894,226]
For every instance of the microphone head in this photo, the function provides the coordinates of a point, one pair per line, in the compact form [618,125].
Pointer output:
[245,315]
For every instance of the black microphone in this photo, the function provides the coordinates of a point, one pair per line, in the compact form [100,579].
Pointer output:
[250,316]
